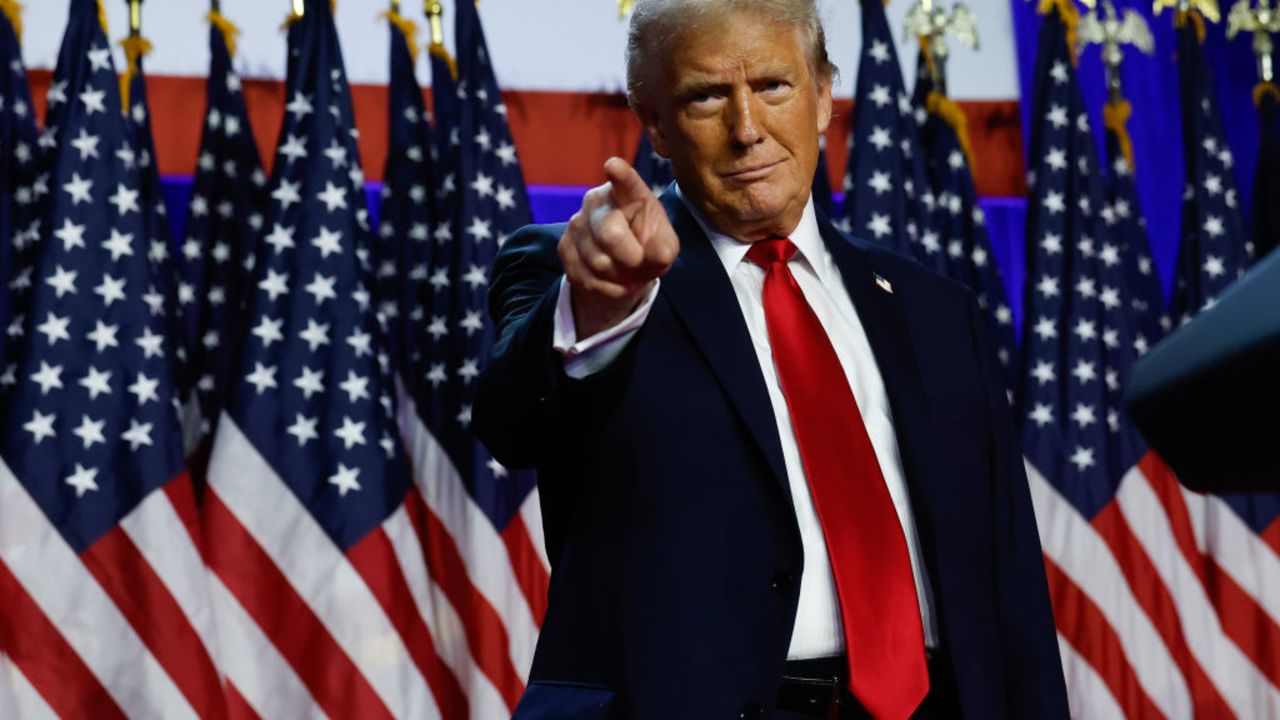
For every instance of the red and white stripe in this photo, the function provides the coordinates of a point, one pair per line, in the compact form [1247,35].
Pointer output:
[344,625]
[18,699]
[122,629]
[1164,602]
[487,591]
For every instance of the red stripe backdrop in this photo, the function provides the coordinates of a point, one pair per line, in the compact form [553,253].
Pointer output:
[563,137]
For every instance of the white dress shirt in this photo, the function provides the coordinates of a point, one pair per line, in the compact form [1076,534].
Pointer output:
[818,631]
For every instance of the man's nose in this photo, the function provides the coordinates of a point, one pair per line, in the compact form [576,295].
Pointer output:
[744,118]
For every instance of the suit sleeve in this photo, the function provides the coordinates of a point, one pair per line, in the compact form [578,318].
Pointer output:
[527,409]
[514,406]
[1028,640]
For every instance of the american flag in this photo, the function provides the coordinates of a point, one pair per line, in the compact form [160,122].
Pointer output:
[1123,214]
[315,542]
[106,606]
[1214,250]
[19,222]
[141,150]
[1160,606]
[961,225]
[224,217]
[404,217]
[887,196]
[444,94]
[487,562]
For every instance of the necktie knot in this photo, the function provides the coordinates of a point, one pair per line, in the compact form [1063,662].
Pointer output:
[770,252]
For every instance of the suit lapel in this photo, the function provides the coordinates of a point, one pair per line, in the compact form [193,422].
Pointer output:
[699,291]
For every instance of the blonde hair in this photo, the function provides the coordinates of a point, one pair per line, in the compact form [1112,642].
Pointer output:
[656,24]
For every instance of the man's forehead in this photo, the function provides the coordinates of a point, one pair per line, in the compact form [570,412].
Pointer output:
[738,41]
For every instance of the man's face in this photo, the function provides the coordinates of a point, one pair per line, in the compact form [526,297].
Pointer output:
[738,111]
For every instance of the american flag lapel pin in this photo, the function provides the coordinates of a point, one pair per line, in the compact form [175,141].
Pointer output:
[885,285]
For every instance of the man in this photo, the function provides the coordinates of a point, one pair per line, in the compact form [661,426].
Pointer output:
[777,468]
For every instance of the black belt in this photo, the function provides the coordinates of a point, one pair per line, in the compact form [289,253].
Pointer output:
[818,687]
[814,688]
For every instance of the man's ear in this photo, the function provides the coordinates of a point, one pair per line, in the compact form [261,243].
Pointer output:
[649,117]
[824,101]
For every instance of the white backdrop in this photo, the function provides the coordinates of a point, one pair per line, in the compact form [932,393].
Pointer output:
[567,45]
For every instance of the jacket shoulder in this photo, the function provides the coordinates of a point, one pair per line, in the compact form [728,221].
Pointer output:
[537,239]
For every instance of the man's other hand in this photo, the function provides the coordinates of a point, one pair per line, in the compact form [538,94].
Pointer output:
[614,248]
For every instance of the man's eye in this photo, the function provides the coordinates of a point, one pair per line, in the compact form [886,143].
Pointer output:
[700,98]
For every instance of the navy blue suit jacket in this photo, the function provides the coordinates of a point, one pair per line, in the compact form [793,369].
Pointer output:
[668,518]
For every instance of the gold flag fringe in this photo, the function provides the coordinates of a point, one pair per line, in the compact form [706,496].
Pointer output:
[438,50]
[1115,116]
[953,114]
[102,19]
[230,33]
[295,17]
[926,49]
[135,46]
[1196,19]
[407,28]
[1264,90]
[1070,16]
[12,9]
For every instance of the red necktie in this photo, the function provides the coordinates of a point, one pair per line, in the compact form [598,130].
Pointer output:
[883,636]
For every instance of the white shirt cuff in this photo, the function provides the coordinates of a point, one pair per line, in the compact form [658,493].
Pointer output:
[583,358]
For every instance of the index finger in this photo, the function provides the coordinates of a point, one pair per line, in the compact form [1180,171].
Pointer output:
[628,188]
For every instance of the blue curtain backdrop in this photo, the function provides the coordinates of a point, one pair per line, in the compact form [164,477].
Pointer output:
[1151,85]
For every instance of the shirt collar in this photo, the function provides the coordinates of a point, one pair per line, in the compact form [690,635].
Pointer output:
[732,251]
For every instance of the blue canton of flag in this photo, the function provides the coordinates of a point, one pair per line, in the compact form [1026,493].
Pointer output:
[490,203]
[23,184]
[89,394]
[1124,215]
[141,149]
[405,218]
[224,218]
[313,394]
[887,196]
[444,108]
[1078,337]
[961,225]
[1214,250]
[94,496]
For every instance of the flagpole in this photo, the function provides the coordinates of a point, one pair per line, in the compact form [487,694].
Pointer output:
[435,13]
[135,46]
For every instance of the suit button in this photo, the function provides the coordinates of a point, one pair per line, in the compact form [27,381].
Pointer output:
[782,582]
[751,711]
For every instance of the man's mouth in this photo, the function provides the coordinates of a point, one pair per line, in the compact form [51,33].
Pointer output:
[757,171]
